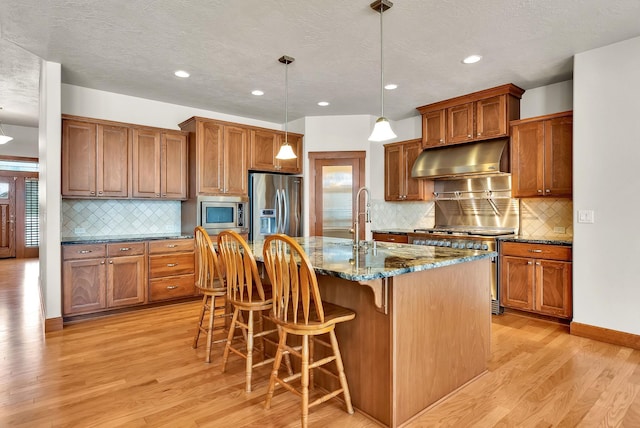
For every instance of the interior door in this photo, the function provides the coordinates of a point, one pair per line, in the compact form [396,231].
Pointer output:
[337,176]
[7,217]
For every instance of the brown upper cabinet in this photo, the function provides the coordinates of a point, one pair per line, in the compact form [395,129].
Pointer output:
[398,184]
[104,159]
[264,146]
[95,160]
[541,156]
[159,164]
[478,116]
[218,157]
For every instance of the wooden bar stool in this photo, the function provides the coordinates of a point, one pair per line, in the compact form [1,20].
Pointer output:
[210,282]
[247,295]
[298,310]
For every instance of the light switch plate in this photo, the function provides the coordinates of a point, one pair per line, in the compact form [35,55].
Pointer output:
[559,229]
[586,216]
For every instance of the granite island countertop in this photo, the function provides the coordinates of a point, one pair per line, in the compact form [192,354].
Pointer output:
[89,239]
[335,257]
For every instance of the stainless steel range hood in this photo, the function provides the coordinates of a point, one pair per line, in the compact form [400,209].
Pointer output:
[464,160]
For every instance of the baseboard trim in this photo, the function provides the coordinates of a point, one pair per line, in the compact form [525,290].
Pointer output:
[614,337]
[52,324]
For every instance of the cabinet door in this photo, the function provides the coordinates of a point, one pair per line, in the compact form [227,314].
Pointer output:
[112,172]
[210,158]
[558,165]
[516,282]
[527,159]
[553,288]
[460,123]
[236,160]
[413,188]
[392,172]
[491,117]
[84,286]
[146,163]
[293,166]
[173,171]
[78,158]
[263,150]
[433,128]
[126,281]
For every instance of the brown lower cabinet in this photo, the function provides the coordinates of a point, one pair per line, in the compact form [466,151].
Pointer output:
[536,278]
[390,237]
[101,277]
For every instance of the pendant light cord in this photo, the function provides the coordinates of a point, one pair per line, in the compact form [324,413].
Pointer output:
[381,65]
[286,100]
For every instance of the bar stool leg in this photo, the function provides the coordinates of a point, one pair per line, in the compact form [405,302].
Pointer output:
[232,329]
[304,380]
[341,375]
[249,351]
[201,318]
[276,366]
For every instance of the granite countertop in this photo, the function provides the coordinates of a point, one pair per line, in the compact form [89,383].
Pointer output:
[121,238]
[335,257]
[539,239]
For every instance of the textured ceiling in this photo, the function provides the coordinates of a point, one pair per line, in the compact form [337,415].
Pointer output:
[231,47]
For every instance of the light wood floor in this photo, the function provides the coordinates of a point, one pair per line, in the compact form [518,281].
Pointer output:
[138,369]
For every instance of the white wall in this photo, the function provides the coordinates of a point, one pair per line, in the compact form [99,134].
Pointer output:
[49,198]
[24,143]
[605,179]
[548,99]
[80,101]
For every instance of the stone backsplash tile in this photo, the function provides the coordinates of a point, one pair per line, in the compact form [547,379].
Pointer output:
[401,215]
[546,216]
[119,217]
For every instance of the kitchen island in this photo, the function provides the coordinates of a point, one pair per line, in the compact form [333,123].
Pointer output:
[422,326]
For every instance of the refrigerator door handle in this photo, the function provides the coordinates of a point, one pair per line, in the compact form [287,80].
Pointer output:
[278,209]
[285,212]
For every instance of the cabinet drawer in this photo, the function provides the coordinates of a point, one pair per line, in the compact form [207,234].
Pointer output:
[539,251]
[83,251]
[171,264]
[125,249]
[172,287]
[170,246]
[391,237]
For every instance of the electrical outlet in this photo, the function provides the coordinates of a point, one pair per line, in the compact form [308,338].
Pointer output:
[586,216]
[559,229]
[79,230]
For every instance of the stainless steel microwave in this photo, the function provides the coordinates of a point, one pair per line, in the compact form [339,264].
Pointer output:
[217,213]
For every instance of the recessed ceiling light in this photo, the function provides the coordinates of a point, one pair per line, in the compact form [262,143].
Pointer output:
[181,73]
[323,103]
[257,92]
[391,86]
[471,59]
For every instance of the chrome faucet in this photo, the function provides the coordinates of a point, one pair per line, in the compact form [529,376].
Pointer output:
[367,217]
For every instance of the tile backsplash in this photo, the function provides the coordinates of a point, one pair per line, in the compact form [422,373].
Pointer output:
[401,215]
[119,217]
[546,216]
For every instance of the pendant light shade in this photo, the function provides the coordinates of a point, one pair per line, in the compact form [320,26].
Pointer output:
[382,130]
[4,138]
[286,151]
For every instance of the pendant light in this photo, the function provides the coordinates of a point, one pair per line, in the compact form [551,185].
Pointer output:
[286,152]
[382,129]
[3,137]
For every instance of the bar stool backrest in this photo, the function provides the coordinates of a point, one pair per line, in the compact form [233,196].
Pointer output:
[243,281]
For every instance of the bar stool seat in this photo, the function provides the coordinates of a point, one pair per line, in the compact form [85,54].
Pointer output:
[210,282]
[298,310]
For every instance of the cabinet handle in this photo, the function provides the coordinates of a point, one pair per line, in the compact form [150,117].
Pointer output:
[125,249]
[85,251]
[535,251]
[100,192]
[172,264]
[92,193]
[172,245]
[548,191]
[102,262]
[164,195]
[110,262]
[171,287]
[479,134]
[539,190]
[469,136]
[537,263]
[157,194]
[441,140]
[529,262]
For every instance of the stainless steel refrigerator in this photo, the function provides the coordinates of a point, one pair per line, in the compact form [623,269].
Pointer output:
[275,205]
